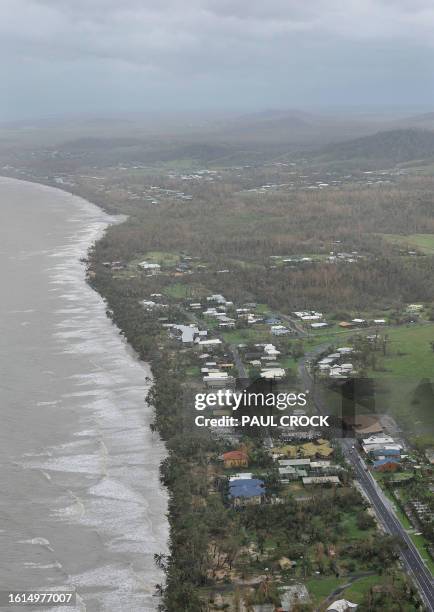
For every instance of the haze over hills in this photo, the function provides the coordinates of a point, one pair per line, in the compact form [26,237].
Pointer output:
[422,121]
[225,139]
[390,146]
[295,128]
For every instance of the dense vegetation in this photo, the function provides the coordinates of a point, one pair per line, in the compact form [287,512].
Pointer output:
[228,227]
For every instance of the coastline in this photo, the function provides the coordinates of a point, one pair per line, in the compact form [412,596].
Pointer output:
[76,254]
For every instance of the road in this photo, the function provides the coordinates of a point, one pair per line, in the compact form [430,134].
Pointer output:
[295,325]
[411,558]
[242,372]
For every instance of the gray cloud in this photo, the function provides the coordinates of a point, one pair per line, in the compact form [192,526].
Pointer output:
[278,53]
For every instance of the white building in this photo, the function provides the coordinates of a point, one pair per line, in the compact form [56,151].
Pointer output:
[342,605]
[150,267]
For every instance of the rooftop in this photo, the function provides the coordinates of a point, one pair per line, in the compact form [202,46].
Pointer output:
[246,487]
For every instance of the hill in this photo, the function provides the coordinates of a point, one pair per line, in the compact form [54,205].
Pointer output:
[293,128]
[391,147]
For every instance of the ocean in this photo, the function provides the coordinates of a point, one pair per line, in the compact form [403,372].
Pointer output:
[81,505]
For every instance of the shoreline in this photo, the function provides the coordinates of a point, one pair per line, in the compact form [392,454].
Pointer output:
[77,254]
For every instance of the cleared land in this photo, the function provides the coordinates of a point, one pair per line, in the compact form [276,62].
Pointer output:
[421,242]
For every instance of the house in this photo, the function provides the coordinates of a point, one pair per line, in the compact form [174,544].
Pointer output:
[319,325]
[382,453]
[217,379]
[370,448]
[271,351]
[287,473]
[342,371]
[386,465]
[346,325]
[378,440]
[365,424]
[288,450]
[273,374]
[321,449]
[374,443]
[326,362]
[210,342]
[359,322]
[279,330]
[251,319]
[226,366]
[248,491]
[324,365]
[295,463]
[345,350]
[217,297]
[210,312]
[342,605]
[414,308]
[154,268]
[241,476]
[186,333]
[227,325]
[236,458]
[320,467]
[309,315]
[272,321]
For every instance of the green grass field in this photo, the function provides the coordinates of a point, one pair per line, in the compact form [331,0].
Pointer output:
[421,242]
[258,333]
[360,587]
[160,257]
[409,353]
[181,291]
[320,588]
[404,378]
[403,375]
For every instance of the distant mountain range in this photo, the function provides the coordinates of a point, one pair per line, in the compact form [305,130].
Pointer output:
[295,129]
[393,146]
[229,138]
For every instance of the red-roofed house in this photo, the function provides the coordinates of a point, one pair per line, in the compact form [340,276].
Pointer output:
[237,458]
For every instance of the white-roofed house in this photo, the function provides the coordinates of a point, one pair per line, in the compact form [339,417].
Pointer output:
[342,605]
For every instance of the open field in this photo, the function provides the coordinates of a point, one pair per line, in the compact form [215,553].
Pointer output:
[404,381]
[259,333]
[403,376]
[422,242]
[409,353]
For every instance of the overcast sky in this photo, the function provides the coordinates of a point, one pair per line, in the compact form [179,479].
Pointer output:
[105,56]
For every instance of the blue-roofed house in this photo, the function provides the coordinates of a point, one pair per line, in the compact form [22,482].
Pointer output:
[246,492]
[381,453]
[272,320]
